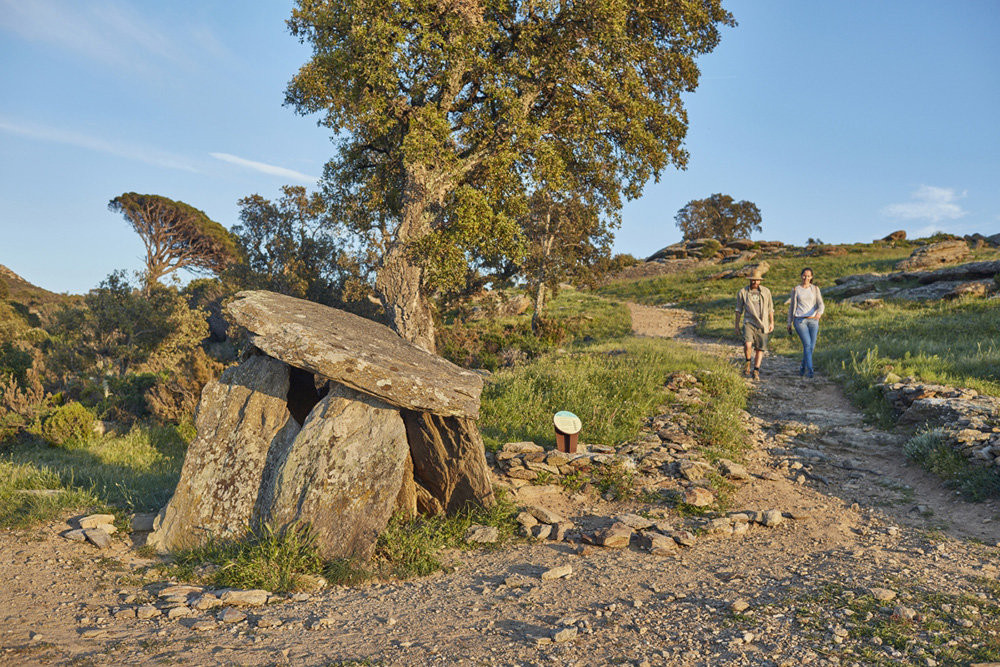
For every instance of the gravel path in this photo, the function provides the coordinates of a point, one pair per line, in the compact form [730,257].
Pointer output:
[872,541]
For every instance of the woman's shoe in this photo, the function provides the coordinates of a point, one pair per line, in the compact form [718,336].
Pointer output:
[802,371]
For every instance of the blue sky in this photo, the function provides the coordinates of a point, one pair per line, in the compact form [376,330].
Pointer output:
[841,120]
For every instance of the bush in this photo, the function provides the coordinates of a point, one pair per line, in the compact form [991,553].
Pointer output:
[68,424]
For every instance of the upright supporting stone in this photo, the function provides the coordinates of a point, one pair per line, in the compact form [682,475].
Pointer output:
[240,418]
[449,463]
[342,474]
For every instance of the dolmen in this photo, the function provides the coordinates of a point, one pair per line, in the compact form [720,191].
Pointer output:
[330,421]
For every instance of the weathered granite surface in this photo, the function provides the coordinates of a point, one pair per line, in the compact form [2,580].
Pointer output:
[342,474]
[356,352]
[241,417]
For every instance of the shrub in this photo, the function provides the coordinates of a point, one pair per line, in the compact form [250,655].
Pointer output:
[68,424]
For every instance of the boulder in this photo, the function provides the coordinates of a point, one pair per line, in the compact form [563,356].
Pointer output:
[341,474]
[241,417]
[740,244]
[356,352]
[975,288]
[449,463]
[934,255]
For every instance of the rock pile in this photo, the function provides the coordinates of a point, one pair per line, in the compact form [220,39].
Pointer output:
[935,254]
[973,278]
[332,421]
[969,421]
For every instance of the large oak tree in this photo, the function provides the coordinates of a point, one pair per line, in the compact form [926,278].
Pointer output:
[451,114]
[718,217]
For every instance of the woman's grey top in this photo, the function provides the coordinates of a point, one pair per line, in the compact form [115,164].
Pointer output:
[805,302]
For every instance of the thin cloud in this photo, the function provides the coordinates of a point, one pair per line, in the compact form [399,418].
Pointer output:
[928,203]
[108,32]
[266,168]
[54,135]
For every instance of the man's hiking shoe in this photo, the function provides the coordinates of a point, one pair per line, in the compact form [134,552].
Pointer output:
[748,367]
[756,374]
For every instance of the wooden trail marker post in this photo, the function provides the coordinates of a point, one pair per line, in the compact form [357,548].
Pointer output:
[568,428]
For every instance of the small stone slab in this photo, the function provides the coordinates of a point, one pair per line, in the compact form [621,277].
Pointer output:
[251,598]
[543,514]
[95,520]
[557,572]
[75,535]
[616,536]
[179,589]
[356,352]
[883,594]
[772,518]
[230,615]
[564,635]
[477,534]
[698,496]
[146,612]
[99,538]
[634,521]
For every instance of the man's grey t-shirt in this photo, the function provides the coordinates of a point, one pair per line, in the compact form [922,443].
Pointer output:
[756,306]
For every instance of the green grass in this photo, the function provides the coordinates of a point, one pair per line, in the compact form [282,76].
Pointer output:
[278,561]
[133,472]
[975,483]
[950,342]
[613,387]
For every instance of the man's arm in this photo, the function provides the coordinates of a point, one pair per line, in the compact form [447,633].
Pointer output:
[739,312]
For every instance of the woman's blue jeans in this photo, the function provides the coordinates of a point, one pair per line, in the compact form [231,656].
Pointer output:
[808,330]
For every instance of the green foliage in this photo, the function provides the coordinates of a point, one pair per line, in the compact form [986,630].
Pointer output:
[292,246]
[718,217]
[450,115]
[495,342]
[126,342]
[176,235]
[69,425]
[930,449]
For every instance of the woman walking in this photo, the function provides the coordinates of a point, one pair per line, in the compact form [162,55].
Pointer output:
[804,310]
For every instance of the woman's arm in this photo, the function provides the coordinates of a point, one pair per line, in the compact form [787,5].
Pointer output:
[820,308]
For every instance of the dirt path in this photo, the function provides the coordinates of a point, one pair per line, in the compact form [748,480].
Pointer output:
[798,593]
[861,463]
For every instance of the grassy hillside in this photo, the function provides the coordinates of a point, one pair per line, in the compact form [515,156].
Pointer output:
[953,342]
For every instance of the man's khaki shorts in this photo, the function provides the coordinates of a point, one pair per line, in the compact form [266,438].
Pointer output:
[756,336]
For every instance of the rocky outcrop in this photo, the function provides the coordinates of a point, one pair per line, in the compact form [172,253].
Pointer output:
[449,463]
[965,419]
[356,352]
[341,474]
[241,417]
[898,235]
[337,426]
[934,255]
[970,279]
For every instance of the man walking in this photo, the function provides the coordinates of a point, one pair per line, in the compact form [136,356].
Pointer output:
[754,305]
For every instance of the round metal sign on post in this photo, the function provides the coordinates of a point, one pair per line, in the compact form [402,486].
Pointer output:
[568,427]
